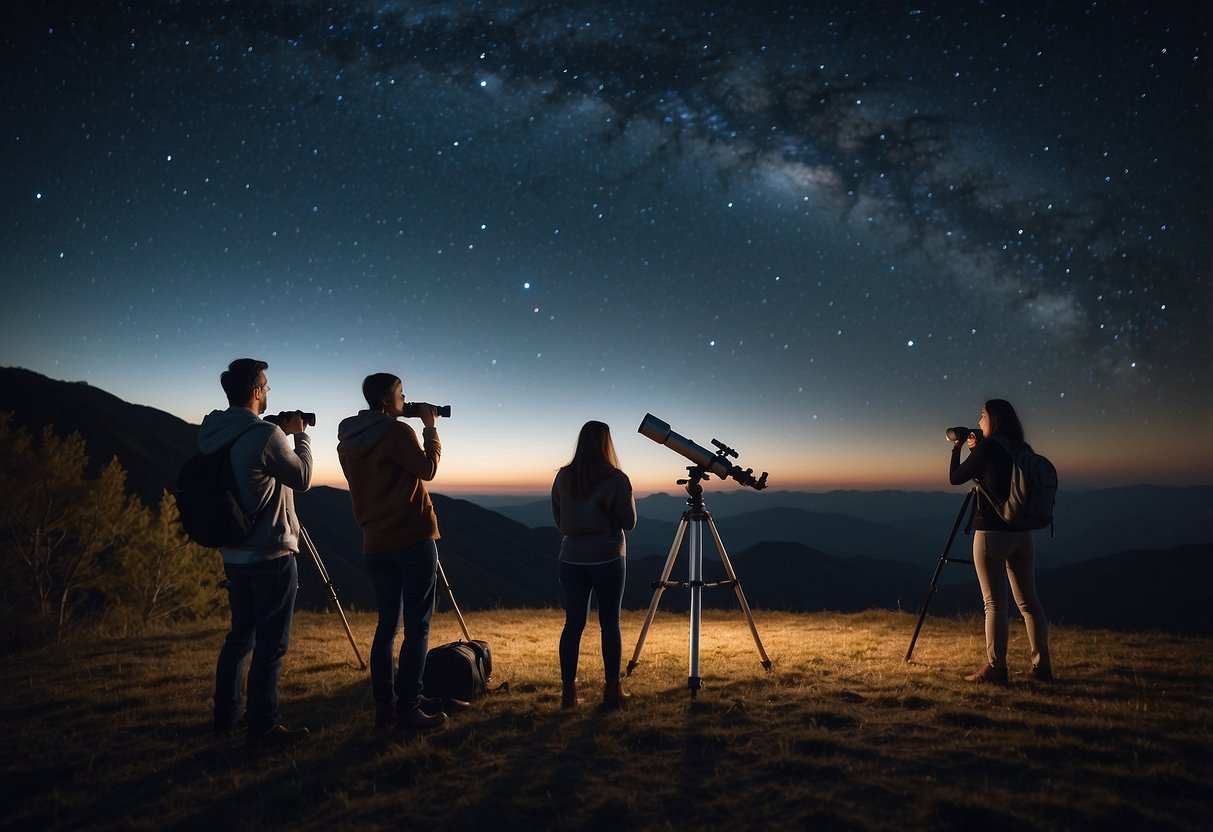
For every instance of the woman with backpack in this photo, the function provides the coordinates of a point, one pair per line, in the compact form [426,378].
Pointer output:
[593,506]
[1003,555]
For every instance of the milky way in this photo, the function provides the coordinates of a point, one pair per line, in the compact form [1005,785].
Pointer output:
[822,232]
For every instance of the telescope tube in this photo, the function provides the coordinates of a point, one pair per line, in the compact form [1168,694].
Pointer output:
[660,432]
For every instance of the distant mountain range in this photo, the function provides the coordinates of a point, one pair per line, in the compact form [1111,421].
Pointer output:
[912,525]
[1127,558]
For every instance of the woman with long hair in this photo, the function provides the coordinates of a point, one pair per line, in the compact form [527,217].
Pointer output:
[593,506]
[1002,556]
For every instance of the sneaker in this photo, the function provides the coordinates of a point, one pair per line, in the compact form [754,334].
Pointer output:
[988,675]
[419,720]
[1041,674]
[278,736]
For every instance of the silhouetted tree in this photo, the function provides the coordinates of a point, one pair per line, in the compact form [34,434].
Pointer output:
[56,527]
[159,575]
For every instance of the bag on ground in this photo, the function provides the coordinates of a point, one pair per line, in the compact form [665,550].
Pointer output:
[459,670]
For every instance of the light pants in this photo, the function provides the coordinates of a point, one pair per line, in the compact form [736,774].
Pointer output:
[1002,559]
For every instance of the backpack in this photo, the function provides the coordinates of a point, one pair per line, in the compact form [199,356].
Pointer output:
[207,501]
[1033,491]
[459,670]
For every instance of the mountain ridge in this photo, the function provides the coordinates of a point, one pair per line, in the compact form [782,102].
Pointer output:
[882,555]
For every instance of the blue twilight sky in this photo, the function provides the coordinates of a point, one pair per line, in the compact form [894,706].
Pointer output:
[821,233]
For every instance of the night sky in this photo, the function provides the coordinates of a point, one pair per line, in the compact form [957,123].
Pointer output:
[820,232]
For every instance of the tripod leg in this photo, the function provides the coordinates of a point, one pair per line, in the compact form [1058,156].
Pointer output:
[943,558]
[665,576]
[336,605]
[728,568]
[695,581]
[450,594]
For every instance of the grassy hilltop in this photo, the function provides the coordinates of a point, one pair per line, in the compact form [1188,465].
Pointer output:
[840,734]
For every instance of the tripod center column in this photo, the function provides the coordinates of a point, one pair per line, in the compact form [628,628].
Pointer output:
[695,579]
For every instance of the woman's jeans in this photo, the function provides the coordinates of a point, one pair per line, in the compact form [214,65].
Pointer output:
[576,582]
[262,598]
[404,581]
[1009,558]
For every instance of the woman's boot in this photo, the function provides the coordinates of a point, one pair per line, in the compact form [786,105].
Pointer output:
[568,695]
[613,697]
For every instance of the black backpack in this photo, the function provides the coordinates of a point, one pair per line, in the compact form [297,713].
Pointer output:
[207,501]
[459,670]
[1033,490]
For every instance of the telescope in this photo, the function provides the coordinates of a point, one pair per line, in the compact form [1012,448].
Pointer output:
[698,521]
[713,463]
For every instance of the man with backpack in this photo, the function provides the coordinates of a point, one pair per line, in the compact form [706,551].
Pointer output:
[262,576]
[1009,506]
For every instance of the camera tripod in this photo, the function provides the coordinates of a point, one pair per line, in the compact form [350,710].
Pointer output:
[943,558]
[306,540]
[451,595]
[695,518]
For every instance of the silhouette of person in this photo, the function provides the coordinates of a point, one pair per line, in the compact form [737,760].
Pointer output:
[1004,557]
[593,506]
[387,468]
[262,576]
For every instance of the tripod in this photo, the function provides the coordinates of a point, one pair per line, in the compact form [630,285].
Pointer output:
[943,558]
[306,540]
[695,518]
[451,594]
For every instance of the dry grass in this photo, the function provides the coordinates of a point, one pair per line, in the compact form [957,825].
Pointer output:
[840,734]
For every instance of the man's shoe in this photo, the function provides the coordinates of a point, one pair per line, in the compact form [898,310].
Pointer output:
[278,736]
[419,720]
[1041,674]
[989,675]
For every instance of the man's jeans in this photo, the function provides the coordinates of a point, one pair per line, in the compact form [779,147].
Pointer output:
[262,597]
[404,580]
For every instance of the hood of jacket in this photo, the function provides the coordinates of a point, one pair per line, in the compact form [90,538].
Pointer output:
[221,427]
[359,434]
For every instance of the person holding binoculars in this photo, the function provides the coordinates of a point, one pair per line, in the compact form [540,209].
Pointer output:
[387,468]
[262,577]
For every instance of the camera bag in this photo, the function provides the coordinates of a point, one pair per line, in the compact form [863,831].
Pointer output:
[459,670]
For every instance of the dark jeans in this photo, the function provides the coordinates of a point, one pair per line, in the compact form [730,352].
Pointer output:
[576,583]
[262,597]
[404,581]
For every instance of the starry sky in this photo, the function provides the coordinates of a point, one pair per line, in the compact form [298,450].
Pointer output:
[821,233]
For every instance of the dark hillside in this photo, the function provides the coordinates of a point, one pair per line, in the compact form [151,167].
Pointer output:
[151,444]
